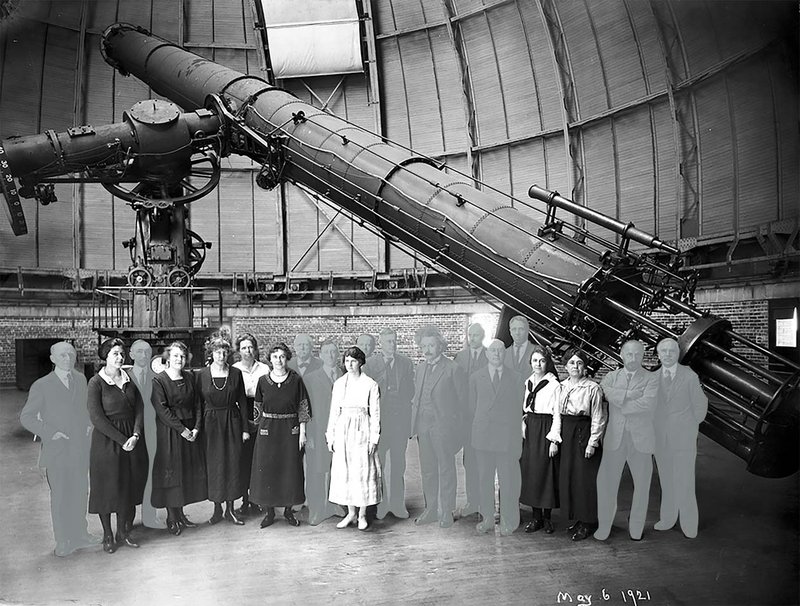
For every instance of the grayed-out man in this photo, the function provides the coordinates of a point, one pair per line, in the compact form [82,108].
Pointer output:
[518,354]
[682,406]
[366,343]
[631,392]
[303,361]
[471,359]
[394,374]
[142,376]
[440,392]
[56,412]
[495,394]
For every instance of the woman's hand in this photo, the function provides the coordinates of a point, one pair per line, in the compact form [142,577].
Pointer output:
[589,451]
[245,436]
[371,448]
[186,434]
[130,443]
[524,432]
[330,446]
[302,438]
[553,449]
[194,435]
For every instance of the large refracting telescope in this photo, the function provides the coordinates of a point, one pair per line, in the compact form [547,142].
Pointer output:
[591,281]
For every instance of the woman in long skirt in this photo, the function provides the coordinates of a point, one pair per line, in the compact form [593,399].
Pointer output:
[539,461]
[354,428]
[579,422]
[224,429]
[179,469]
[118,462]
[283,409]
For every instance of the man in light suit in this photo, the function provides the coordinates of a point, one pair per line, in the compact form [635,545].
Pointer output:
[470,359]
[303,360]
[439,396]
[682,406]
[518,354]
[319,384]
[141,353]
[495,395]
[630,438]
[56,412]
[394,374]
[366,343]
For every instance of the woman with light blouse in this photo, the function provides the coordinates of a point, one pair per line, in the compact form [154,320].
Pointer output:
[579,421]
[354,428]
[539,461]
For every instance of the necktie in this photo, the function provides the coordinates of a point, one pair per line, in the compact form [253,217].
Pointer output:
[668,378]
[68,381]
[495,379]
[333,376]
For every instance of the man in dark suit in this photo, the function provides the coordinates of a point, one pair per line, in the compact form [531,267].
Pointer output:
[470,359]
[440,391]
[518,354]
[56,412]
[366,343]
[682,406]
[303,360]
[495,394]
[630,438]
[394,374]
[141,353]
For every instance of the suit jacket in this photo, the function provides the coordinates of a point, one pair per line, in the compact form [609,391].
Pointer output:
[51,407]
[319,387]
[497,413]
[681,408]
[395,404]
[146,389]
[522,366]
[314,363]
[630,407]
[448,388]
[464,360]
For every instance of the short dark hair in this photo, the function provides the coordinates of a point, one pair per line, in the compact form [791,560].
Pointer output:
[218,343]
[248,337]
[107,345]
[573,352]
[355,353]
[180,345]
[549,365]
[281,347]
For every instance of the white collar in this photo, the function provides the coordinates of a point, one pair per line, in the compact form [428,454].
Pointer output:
[102,374]
[63,374]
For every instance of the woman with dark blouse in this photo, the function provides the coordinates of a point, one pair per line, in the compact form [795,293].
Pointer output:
[224,429]
[283,411]
[179,469]
[118,461]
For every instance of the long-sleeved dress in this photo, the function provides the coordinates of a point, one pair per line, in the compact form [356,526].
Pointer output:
[539,469]
[224,420]
[277,477]
[116,477]
[579,420]
[354,423]
[179,469]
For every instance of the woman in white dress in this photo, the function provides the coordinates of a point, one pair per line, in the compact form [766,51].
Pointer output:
[354,427]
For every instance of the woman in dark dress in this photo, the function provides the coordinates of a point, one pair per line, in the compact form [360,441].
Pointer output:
[539,461]
[283,411]
[118,462]
[224,429]
[579,422]
[179,469]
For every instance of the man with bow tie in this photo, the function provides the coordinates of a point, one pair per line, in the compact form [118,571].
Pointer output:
[631,392]
[303,361]
[394,374]
[682,406]
[495,396]
[56,412]
[319,384]
[471,359]
[142,375]
[440,390]
[518,354]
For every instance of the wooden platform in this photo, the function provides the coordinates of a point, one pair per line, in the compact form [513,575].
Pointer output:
[746,553]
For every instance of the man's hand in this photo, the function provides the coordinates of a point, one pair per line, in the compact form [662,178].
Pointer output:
[60,436]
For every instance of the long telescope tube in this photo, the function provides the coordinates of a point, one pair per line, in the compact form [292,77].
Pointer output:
[401,192]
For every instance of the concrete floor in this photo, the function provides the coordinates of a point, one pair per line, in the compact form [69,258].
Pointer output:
[746,553]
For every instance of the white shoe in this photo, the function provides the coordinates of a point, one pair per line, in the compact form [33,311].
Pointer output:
[346,521]
[362,523]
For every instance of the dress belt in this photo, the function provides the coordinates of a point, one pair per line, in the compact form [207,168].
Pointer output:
[278,415]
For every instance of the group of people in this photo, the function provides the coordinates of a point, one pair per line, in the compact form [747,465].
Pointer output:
[245,429]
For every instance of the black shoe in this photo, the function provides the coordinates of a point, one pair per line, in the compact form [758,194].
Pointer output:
[186,522]
[254,508]
[548,526]
[244,510]
[126,540]
[216,518]
[109,546]
[534,525]
[581,532]
[269,519]
[574,527]
[289,515]
[231,517]
[173,527]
